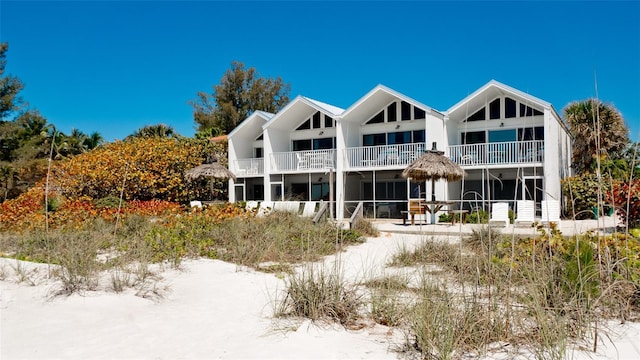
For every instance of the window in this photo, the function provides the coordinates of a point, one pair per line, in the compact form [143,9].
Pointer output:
[259,152]
[314,144]
[531,133]
[528,111]
[325,143]
[392,114]
[418,136]
[320,191]
[328,121]
[301,145]
[374,139]
[392,190]
[379,118]
[405,109]
[402,137]
[479,115]
[494,109]
[419,113]
[305,125]
[316,120]
[260,137]
[509,108]
[474,137]
[502,135]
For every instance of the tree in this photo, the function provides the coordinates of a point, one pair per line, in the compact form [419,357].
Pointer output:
[240,92]
[10,86]
[93,141]
[598,130]
[154,131]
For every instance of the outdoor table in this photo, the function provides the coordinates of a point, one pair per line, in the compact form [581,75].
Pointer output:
[435,206]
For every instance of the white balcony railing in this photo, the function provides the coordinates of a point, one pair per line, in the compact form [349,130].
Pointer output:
[383,156]
[248,167]
[303,160]
[513,152]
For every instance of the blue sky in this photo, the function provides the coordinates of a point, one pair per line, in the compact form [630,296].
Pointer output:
[115,66]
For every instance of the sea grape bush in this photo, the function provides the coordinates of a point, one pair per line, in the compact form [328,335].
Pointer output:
[149,168]
[582,194]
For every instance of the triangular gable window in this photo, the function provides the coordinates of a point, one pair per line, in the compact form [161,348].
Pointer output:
[315,122]
[379,118]
[305,125]
[479,115]
[260,137]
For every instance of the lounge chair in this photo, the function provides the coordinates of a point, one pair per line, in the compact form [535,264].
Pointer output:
[309,209]
[196,204]
[550,211]
[265,208]
[251,205]
[526,212]
[292,206]
[500,214]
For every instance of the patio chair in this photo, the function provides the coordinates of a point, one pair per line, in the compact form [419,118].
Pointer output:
[309,209]
[303,161]
[389,157]
[500,214]
[196,204]
[550,211]
[526,212]
[251,205]
[265,208]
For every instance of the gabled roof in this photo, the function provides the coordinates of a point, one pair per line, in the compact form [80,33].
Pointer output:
[257,116]
[491,90]
[328,108]
[302,104]
[370,102]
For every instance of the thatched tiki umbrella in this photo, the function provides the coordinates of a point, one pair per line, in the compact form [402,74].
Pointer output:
[212,170]
[433,165]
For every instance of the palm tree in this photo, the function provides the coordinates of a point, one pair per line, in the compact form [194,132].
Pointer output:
[75,142]
[93,141]
[598,130]
[150,131]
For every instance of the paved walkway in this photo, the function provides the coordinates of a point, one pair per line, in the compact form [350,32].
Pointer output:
[567,227]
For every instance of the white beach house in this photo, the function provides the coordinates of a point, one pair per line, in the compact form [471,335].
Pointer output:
[512,146]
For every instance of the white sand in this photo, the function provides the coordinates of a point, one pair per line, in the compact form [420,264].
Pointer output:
[210,309]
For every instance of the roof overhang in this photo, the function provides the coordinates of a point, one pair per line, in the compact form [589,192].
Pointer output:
[300,108]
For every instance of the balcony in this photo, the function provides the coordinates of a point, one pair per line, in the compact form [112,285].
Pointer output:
[248,167]
[305,161]
[503,153]
[382,156]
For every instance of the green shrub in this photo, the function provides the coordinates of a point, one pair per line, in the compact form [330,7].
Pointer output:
[582,194]
[478,217]
[109,202]
[444,218]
